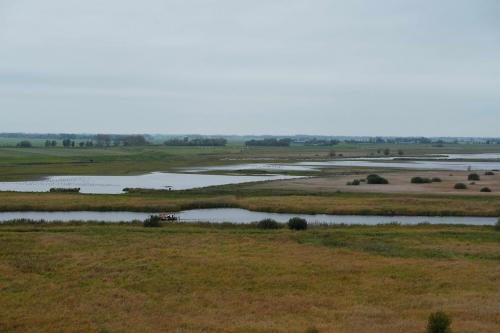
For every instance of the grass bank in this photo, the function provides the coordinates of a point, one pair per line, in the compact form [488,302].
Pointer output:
[195,278]
[260,200]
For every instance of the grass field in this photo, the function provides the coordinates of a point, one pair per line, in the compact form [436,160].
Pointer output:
[280,202]
[32,163]
[195,278]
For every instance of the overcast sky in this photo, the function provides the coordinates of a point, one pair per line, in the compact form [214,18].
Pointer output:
[352,67]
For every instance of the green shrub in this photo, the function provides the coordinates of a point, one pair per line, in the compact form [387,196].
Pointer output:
[312,330]
[268,224]
[436,180]
[376,179]
[420,180]
[297,223]
[489,173]
[153,221]
[439,322]
[473,176]
[460,186]
[64,190]
[497,225]
[355,182]
[25,144]
[485,189]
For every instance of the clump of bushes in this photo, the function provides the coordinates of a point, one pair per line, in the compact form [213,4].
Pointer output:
[268,224]
[297,223]
[65,190]
[439,322]
[24,144]
[312,330]
[489,173]
[485,189]
[376,179]
[474,177]
[460,186]
[420,180]
[153,221]
[355,182]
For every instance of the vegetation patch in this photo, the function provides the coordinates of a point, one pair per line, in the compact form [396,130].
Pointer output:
[297,223]
[268,224]
[420,180]
[355,182]
[376,179]
[439,322]
[473,177]
[154,221]
[64,190]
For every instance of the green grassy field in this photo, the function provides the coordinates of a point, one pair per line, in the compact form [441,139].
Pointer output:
[32,163]
[207,278]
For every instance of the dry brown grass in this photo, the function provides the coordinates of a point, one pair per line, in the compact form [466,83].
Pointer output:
[399,183]
[198,279]
[328,203]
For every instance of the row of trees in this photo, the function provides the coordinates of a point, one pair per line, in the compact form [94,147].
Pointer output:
[271,142]
[100,140]
[197,142]
[316,142]
[107,140]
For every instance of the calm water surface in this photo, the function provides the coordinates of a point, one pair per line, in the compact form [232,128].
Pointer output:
[455,162]
[235,215]
[116,184]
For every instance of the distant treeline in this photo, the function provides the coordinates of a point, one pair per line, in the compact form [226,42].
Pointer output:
[317,142]
[197,142]
[269,142]
[100,140]
[107,140]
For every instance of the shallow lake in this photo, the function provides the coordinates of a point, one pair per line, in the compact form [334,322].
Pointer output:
[455,162]
[235,215]
[116,184]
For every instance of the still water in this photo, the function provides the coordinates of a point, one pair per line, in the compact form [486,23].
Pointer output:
[116,184]
[452,162]
[236,215]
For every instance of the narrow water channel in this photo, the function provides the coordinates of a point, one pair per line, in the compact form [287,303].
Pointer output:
[235,215]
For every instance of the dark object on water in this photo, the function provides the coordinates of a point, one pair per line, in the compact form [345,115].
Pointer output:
[65,190]
[168,217]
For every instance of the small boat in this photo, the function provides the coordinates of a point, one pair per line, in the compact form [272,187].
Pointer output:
[168,217]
